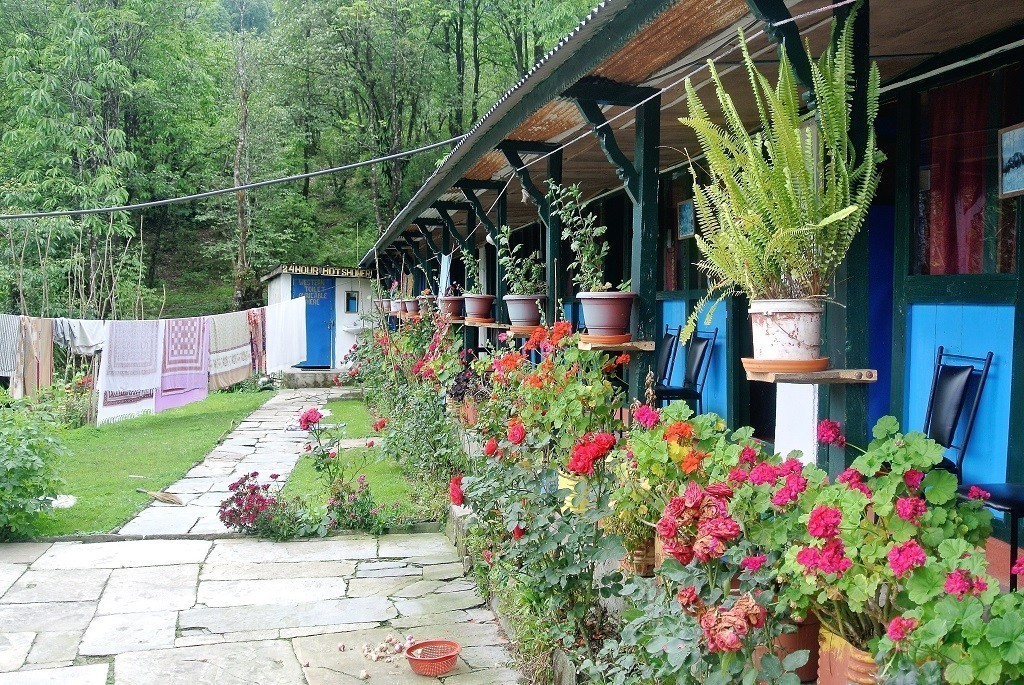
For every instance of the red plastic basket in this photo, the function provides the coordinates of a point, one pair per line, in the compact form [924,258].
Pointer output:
[433,657]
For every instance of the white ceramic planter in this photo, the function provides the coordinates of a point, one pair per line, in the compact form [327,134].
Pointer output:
[396,306]
[786,329]
[524,310]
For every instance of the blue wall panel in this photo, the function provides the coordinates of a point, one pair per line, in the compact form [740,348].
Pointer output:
[972,330]
[881,221]
[716,388]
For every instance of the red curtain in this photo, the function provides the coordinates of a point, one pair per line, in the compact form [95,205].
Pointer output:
[956,207]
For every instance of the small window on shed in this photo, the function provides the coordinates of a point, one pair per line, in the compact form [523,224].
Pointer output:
[351,302]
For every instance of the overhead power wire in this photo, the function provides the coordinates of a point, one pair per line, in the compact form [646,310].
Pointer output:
[226,191]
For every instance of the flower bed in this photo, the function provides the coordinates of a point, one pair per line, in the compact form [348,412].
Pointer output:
[757,546]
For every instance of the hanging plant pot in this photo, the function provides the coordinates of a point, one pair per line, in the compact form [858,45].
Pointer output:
[478,308]
[840,663]
[787,336]
[452,306]
[396,306]
[411,306]
[383,306]
[607,316]
[524,311]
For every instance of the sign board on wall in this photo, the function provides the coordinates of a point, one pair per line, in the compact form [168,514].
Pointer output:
[305,270]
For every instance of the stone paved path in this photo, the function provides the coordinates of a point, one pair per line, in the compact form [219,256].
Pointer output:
[267,441]
[195,612]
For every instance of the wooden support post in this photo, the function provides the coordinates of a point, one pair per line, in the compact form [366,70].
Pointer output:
[846,328]
[501,309]
[425,266]
[787,36]
[552,224]
[492,230]
[643,266]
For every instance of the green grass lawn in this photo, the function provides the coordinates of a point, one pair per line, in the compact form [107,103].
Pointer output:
[387,482]
[161,448]
[354,414]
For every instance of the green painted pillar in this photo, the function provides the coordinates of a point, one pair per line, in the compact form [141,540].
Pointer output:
[644,259]
[500,310]
[553,243]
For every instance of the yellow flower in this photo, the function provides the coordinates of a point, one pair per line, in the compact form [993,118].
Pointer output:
[678,452]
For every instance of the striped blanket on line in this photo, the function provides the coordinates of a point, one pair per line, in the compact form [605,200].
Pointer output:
[130,370]
[230,349]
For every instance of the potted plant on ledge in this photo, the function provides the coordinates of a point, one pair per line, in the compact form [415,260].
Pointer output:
[394,298]
[451,302]
[606,311]
[526,284]
[478,305]
[782,205]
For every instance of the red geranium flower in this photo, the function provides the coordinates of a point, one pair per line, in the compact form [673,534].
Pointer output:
[977,493]
[753,563]
[455,491]
[899,628]
[906,557]
[518,532]
[824,522]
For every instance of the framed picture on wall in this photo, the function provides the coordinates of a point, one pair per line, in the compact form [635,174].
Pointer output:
[1011,161]
[687,225]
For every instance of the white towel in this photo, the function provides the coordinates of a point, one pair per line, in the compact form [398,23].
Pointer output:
[10,343]
[286,334]
[80,336]
[130,370]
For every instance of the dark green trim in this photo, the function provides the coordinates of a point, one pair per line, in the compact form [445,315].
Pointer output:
[552,241]
[501,309]
[624,168]
[977,289]
[1015,453]
[603,91]
[538,197]
[428,240]
[906,206]
[786,35]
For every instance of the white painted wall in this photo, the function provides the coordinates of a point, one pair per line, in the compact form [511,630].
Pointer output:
[796,420]
[346,325]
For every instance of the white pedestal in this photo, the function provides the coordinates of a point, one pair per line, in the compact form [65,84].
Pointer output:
[796,420]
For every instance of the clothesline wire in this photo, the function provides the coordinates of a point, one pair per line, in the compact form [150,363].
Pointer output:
[661,90]
[233,189]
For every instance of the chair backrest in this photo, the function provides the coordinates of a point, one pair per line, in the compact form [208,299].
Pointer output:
[698,358]
[667,355]
[955,393]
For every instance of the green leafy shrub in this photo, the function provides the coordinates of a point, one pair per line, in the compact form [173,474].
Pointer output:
[29,452]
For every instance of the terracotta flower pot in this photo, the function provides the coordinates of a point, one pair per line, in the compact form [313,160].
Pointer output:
[524,310]
[640,562]
[660,555]
[840,663]
[607,314]
[412,306]
[806,637]
[452,306]
[479,307]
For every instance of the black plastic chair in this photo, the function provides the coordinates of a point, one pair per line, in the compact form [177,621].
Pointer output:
[698,363]
[956,392]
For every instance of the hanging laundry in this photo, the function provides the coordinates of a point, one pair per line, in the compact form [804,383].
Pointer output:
[258,338]
[10,344]
[80,336]
[185,362]
[130,370]
[286,334]
[37,350]
[230,349]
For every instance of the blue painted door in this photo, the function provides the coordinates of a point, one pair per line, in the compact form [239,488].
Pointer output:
[319,294]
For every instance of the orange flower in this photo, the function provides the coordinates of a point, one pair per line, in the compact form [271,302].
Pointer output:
[692,461]
[622,359]
[679,431]
[535,381]
[539,335]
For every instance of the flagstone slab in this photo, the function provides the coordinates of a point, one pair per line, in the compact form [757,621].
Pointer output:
[93,674]
[269,570]
[208,525]
[416,545]
[228,593]
[444,571]
[47,616]
[491,676]
[10,573]
[340,548]
[418,589]
[378,587]
[56,586]
[268,662]
[486,656]
[442,618]
[432,604]
[14,649]
[77,555]
[194,485]
[150,588]
[55,646]
[322,654]
[390,572]
[267,616]
[167,520]
[22,552]
[120,633]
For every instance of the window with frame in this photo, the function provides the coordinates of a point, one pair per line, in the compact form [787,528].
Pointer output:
[351,302]
[962,226]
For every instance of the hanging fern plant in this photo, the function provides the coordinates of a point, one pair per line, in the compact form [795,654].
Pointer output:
[783,204]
